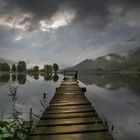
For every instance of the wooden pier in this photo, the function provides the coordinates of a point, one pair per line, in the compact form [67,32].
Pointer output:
[70,116]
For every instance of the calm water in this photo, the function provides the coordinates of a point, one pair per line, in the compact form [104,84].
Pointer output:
[116,98]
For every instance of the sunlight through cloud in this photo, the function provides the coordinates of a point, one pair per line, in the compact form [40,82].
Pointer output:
[62,18]
[20,21]
[18,38]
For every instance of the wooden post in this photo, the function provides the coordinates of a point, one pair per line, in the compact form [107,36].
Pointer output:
[76,75]
[30,114]
[31,120]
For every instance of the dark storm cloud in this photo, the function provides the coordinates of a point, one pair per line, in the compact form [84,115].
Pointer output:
[40,8]
[90,12]
[97,27]
[134,38]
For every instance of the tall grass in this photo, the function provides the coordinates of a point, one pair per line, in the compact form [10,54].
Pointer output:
[15,127]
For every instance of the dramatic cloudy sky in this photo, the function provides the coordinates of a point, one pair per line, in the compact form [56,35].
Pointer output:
[67,31]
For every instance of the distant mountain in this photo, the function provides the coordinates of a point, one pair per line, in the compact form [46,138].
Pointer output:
[10,62]
[110,62]
[86,64]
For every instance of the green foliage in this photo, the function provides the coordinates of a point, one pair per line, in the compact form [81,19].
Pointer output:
[13,131]
[6,130]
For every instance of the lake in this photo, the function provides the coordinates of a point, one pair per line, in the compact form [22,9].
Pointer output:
[116,98]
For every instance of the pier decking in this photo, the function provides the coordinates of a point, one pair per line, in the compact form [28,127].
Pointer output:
[70,116]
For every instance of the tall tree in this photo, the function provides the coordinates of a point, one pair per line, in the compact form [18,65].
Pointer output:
[5,67]
[48,69]
[13,69]
[36,68]
[21,67]
[55,67]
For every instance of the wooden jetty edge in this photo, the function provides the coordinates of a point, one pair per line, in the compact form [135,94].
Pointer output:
[70,116]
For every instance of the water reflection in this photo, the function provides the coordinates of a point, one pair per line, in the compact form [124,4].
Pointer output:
[55,78]
[112,82]
[36,76]
[22,78]
[4,78]
[13,77]
[47,77]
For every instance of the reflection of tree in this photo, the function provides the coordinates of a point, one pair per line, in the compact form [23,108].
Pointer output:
[21,78]
[47,77]
[4,78]
[36,76]
[55,78]
[13,77]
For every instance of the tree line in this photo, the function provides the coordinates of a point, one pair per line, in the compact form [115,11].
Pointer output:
[21,67]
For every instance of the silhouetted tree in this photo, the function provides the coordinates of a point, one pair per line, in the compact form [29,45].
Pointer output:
[21,67]
[55,67]
[13,69]
[48,69]
[5,67]
[36,68]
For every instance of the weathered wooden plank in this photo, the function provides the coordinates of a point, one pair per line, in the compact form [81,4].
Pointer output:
[66,115]
[68,107]
[69,97]
[69,121]
[67,101]
[79,136]
[71,103]
[68,112]
[69,92]
[53,130]
[75,110]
